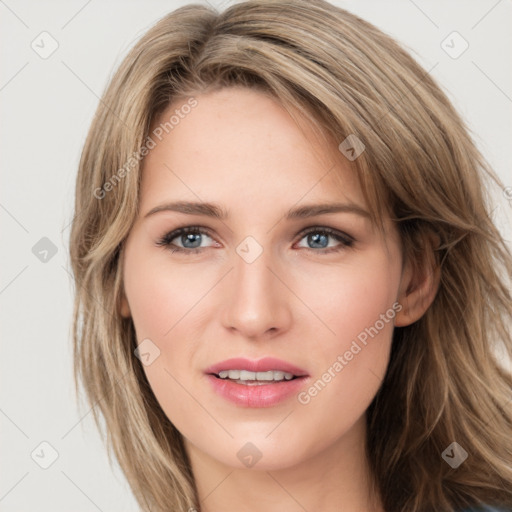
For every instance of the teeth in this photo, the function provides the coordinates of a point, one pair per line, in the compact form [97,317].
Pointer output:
[245,375]
[234,374]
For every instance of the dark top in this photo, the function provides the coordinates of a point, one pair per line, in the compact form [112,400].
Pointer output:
[486,509]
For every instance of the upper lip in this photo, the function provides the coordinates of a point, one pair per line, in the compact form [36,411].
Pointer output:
[261,365]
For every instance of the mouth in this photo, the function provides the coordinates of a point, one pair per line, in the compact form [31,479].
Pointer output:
[262,383]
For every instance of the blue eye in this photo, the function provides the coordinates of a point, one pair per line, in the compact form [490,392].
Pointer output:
[190,238]
[319,237]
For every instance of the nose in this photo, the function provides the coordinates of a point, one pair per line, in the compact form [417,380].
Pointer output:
[258,302]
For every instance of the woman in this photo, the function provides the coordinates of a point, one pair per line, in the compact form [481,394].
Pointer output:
[290,293]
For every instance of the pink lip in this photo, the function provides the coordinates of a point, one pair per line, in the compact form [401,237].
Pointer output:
[261,365]
[264,395]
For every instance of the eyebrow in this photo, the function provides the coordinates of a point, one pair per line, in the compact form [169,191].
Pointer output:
[215,211]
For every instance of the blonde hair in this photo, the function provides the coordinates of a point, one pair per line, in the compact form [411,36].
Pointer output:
[444,382]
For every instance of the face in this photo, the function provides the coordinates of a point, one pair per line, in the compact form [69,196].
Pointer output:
[316,292]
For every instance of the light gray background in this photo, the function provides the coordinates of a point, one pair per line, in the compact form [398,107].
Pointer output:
[46,108]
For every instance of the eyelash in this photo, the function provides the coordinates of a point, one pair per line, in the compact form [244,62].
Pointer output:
[165,241]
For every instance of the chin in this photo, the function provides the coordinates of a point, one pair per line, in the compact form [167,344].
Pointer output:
[260,455]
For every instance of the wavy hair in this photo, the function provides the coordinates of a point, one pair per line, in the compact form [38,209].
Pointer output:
[445,381]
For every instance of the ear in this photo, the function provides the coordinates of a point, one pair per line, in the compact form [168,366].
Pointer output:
[124,308]
[419,283]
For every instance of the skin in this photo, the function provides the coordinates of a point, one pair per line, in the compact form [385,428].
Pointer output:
[242,150]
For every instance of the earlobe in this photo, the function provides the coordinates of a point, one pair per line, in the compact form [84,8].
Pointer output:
[124,308]
[418,289]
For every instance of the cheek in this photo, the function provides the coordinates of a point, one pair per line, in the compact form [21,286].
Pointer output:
[356,307]
[346,299]
[162,301]
[168,301]
[160,294]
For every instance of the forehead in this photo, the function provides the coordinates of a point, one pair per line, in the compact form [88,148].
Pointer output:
[240,147]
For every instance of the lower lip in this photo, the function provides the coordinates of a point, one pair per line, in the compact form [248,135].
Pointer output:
[259,395]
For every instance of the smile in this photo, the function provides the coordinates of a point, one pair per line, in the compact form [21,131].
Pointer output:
[255,378]
[264,382]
